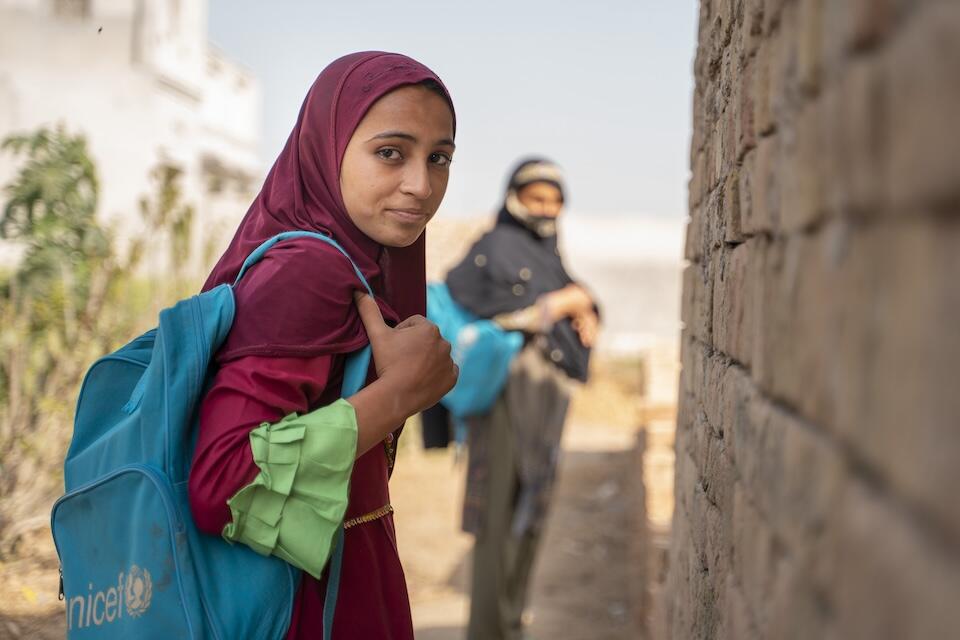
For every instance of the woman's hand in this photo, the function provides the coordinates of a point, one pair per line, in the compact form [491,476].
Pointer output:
[568,302]
[587,326]
[414,370]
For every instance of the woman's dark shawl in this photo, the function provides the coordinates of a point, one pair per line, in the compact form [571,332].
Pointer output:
[507,269]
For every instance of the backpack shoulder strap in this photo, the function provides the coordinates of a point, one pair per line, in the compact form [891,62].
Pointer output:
[257,254]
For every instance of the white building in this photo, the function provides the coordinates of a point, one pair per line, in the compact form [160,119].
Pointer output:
[140,80]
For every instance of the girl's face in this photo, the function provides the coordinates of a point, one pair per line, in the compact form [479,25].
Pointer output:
[396,166]
[541,199]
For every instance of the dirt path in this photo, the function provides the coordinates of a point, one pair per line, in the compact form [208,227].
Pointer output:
[582,585]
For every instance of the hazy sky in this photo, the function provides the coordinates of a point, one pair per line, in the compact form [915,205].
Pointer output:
[602,87]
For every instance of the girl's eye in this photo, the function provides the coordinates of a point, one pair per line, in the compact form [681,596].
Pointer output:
[389,154]
[440,159]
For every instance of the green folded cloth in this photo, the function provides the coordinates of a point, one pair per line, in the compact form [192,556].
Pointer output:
[294,506]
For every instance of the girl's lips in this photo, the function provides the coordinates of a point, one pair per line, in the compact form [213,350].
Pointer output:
[408,215]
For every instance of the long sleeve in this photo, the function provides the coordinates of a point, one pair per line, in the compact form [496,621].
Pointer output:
[246,393]
[294,506]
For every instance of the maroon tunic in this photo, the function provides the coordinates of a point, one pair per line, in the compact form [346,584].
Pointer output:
[372,601]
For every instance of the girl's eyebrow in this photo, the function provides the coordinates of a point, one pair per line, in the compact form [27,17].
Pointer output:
[406,136]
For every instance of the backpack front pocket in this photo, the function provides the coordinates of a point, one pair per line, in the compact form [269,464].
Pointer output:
[126,576]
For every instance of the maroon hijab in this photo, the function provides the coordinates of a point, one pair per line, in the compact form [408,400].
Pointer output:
[299,300]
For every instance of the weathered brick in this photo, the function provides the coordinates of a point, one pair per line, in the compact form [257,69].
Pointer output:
[689,356]
[687,479]
[723,285]
[895,387]
[835,27]
[719,477]
[752,26]
[738,393]
[711,156]
[771,16]
[692,244]
[852,140]
[923,97]
[738,621]
[765,184]
[714,222]
[755,554]
[729,130]
[814,471]
[765,482]
[803,201]
[785,91]
[871,21]
[698,178]
[697,301]
[731,208]
[732,304]
[699,117]
[895,582]
[837,313]
[794,324]
[763,111]
[748,223]
[809,46]
[746,125]
[796,609]
[698,531]
[768,259]
[700,440]
[678,587]
[856,25]
[729,71]
[714,367]
[719,544]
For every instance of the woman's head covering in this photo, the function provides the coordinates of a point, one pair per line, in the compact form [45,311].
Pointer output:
[515,263]
[528,172]
[302,192]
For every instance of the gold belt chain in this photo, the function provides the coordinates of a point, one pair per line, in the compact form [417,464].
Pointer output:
[368,517]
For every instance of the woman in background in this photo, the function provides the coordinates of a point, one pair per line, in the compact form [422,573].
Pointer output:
[514,275]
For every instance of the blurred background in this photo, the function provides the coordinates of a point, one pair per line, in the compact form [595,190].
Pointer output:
[765,191]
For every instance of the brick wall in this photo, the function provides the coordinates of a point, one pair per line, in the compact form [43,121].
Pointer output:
[818,437]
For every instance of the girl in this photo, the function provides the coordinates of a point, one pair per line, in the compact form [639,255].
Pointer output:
[514,275]
[280,458]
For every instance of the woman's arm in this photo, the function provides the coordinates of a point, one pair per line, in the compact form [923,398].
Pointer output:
[568,302]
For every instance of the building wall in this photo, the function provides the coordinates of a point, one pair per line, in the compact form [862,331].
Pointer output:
[140,81]
[818,439]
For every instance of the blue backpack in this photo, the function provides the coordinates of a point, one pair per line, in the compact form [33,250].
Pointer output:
[132,562]
[481,349]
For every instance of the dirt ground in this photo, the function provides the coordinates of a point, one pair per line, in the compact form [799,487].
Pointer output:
[587,578]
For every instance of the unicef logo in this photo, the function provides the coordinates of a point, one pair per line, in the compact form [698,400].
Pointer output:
[138,591]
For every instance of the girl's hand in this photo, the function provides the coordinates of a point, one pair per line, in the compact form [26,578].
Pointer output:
[411,357]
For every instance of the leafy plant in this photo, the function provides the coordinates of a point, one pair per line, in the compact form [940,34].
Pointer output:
[71,298]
